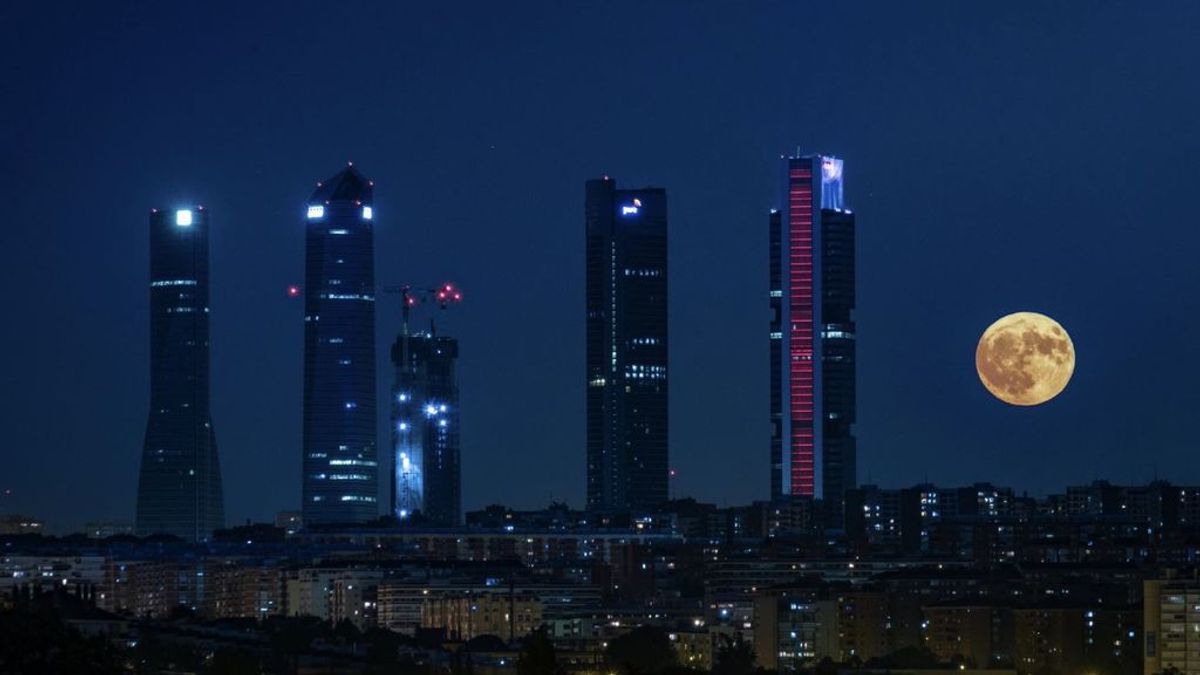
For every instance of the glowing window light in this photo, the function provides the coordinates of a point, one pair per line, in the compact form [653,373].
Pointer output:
[368,213]
[316,211]
[183,218]
[431,410]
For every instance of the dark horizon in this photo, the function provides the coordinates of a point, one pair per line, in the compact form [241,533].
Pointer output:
[997,160]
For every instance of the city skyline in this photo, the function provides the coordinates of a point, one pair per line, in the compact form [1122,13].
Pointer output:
[1003,160]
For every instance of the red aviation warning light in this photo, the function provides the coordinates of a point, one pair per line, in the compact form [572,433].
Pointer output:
[293,291]
[447,294]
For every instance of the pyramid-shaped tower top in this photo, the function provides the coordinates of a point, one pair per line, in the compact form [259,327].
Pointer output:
[346,185]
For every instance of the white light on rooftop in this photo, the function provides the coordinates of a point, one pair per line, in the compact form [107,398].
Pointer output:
[183,217]
[316,211]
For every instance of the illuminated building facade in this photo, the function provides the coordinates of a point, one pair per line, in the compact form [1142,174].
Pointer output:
[179,488]
[425,428]
[340,468]
[812,335]
[626,250]
[1171,620]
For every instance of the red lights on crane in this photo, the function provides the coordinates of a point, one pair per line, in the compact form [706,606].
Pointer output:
[447,294]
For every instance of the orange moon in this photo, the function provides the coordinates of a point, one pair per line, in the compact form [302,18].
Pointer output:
[1025,358]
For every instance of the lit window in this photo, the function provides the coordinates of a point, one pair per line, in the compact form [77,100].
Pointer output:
[317,211]
[368,213]
[183,218]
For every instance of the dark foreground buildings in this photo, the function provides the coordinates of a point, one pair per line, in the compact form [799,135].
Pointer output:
[179,489]
[340,468]
[425,428]
[626,347]
[812,335]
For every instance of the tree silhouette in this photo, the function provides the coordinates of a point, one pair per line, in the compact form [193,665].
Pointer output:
[645,650]
[733,657]
[538,656]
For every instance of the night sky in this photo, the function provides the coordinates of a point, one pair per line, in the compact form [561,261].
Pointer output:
[997,158]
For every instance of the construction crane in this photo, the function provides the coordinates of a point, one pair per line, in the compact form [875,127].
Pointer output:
[410,296]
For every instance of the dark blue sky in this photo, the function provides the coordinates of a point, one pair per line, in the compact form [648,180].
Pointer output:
[999,159]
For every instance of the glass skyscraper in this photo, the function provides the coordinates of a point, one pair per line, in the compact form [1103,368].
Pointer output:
[179,488]
[626,250]
[425,429]
[812,335]
[340,470]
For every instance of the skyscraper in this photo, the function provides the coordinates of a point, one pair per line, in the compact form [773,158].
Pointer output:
[179,488]
[425,428]
[812,336]
[626,248]
[340,469]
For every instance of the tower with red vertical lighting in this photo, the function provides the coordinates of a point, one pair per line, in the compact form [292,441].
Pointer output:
[812,337]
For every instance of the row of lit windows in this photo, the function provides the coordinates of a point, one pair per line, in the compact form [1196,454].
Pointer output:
[347,498]
[348,296]
[642,272]
[318,211]
[340,476]
[174,282]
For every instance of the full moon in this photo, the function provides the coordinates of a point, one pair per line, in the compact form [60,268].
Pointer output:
[1025,358]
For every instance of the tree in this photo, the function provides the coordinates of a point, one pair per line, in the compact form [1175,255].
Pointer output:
[906,657]
[234,661]
[383,646]
[645,650]
[734,657]
[291,636]
[346,632]
[538,656]
[826,666]
[36,640]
